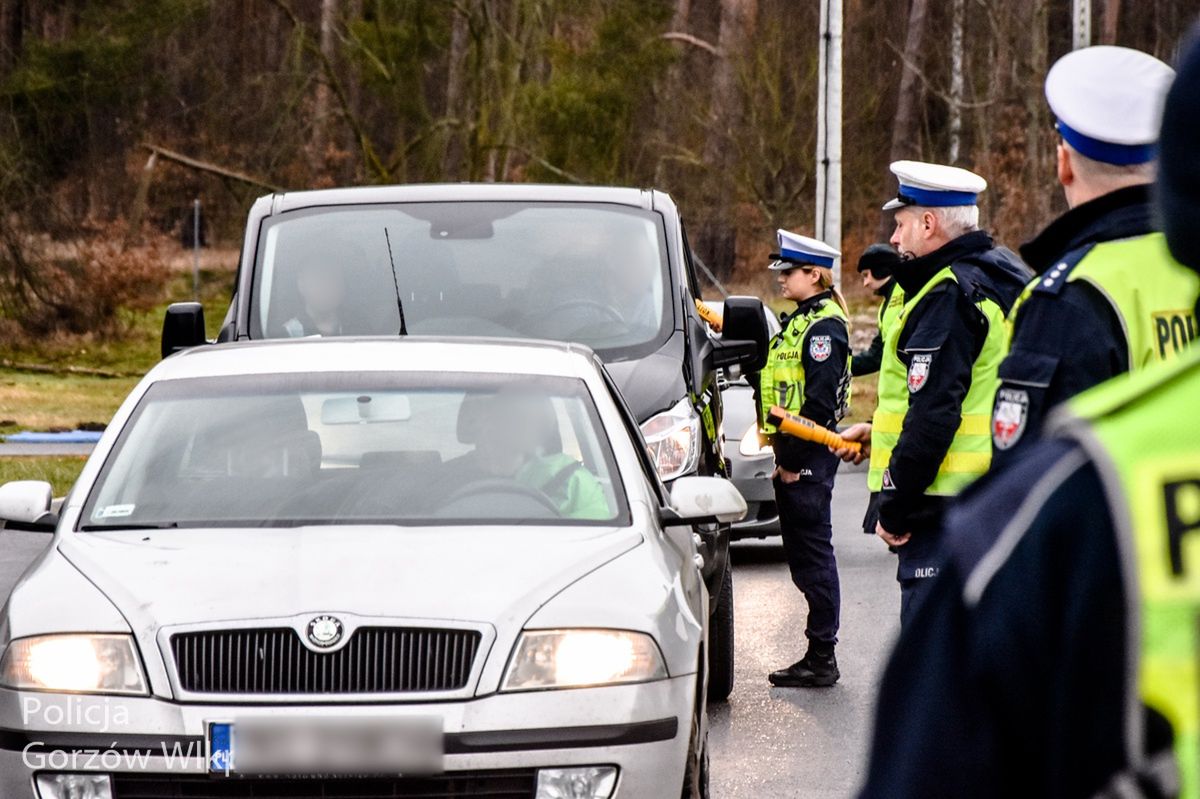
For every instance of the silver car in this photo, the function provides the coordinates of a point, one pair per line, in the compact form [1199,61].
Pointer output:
[750,462]
[370,568]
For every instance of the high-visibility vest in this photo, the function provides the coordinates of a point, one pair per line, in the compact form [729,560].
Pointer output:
[1141,434]
[781,381]
[1151,293]
[889,310]
[970,452]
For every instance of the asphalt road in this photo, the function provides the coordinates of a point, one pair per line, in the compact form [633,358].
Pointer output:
[795,742]
[766,742]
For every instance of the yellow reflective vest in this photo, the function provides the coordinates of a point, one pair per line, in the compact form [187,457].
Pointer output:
[1140,431]
[970,452]
[781,381]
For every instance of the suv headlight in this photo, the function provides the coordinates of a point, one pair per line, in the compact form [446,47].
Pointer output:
[753,444]
[674,440]
[582,659]
[74,663]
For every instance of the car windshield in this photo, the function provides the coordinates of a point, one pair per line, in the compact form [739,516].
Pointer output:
[591,273]
[291,450]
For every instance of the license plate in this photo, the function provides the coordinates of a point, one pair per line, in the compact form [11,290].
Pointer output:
[310,746]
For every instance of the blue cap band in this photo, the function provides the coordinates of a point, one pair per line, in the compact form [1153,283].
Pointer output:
[933,198]
[805,258]
[1106,152]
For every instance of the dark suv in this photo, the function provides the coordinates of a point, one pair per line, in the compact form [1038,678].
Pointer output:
[606,267]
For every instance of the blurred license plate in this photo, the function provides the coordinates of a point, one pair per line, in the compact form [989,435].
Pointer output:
[326,746]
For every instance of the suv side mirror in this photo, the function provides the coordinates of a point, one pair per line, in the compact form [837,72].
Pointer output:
[183,327]
[744,334]
[699,500]
[25,505]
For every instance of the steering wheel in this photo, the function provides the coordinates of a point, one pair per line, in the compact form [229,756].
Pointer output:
[607,314]
[500,485]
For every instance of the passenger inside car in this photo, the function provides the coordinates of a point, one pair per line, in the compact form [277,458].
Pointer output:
[517,439]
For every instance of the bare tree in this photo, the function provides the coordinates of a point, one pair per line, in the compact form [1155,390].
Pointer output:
[1112,19]
[321,97]
[954,123]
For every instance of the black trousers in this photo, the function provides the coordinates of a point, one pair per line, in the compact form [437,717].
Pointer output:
[919,564]
[804,520]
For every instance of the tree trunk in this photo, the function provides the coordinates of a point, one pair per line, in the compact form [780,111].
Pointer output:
[321,99]
[1112,19]
[1036,167]
[455,110]
[716,240]
[905,143]
[956,80]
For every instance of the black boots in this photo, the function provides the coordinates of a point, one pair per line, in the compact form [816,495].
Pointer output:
[818,669]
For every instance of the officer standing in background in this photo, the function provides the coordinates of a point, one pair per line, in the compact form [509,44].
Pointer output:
[876,265]
[929,436]
[1059,652]
[1109,298]
[808,372]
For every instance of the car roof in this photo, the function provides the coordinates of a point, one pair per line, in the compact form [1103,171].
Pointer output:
[380,354]
[469,192]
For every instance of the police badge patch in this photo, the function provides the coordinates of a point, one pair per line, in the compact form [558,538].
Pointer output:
[918,372]
[820,347]
[1009,417]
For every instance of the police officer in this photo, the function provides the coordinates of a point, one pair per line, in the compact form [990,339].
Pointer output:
[808,372]
[1108,297]
[876,265]
[1059,652]
[929,436]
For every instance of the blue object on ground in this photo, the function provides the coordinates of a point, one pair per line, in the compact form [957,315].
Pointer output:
[70,437]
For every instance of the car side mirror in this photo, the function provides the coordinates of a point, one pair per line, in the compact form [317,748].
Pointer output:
[183,327]
[744,334]
[25,505]
[699,500]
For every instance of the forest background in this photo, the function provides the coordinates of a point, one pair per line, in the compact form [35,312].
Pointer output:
[710,100]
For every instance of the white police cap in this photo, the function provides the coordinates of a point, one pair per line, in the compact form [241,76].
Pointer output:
[795,250]
[1108,102]
[934,185]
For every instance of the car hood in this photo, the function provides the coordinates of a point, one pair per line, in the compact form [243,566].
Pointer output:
[497,575]
[654,383]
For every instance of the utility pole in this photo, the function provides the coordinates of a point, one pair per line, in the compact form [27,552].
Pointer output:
[1081,23]
[829,132]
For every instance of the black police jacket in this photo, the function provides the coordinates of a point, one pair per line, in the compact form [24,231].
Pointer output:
[1015,690]
[947,324]
[1073,330]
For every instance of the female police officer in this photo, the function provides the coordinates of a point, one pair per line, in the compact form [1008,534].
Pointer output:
[808,372]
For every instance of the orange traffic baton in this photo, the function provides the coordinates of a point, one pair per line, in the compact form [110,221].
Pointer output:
[809,430]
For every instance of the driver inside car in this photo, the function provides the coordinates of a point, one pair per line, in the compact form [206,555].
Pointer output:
[517,439]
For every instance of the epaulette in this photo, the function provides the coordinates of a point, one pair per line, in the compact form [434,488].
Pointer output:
[1055,278]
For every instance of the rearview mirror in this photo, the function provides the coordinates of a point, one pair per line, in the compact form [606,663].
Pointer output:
[366,408]
[697,500]
[183,327]
[744,334]
[25,504]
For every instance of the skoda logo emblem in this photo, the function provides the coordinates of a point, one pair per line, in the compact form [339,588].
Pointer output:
[324,631]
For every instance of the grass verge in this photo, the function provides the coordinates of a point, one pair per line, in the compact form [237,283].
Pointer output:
[60,471]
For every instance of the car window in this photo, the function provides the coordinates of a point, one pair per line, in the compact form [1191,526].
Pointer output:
[591,273]
[289,450]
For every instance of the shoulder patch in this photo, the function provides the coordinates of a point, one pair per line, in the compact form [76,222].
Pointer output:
[820,347]
[1056,277]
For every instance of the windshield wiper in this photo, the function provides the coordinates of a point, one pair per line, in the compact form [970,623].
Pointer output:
[395,281]
[89,528]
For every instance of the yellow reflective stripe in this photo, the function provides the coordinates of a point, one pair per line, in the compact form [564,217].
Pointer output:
[975,424]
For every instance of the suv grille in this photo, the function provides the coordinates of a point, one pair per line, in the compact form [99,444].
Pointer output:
[276,661]
[508,784]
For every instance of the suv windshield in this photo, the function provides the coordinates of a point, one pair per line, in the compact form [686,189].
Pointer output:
[591,273]
[289,450]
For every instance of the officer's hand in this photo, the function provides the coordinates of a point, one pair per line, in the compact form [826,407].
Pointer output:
[785,477]
[860,432]
[889,539]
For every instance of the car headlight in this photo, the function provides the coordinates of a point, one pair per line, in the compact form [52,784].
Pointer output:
[582,658]
[74,663]
[753,444]
[674,440]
